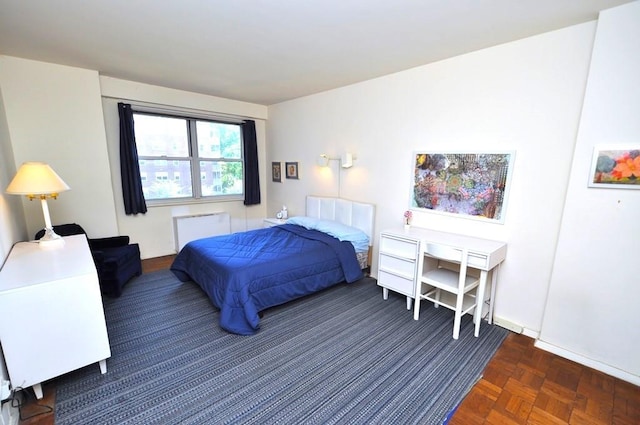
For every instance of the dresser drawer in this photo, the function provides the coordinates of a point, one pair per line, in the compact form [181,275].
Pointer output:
[406,248]
[396,283]
[397,265]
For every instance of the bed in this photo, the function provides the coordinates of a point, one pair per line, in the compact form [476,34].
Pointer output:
[247,272]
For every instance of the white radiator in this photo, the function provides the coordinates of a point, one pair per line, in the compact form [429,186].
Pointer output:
[187,228]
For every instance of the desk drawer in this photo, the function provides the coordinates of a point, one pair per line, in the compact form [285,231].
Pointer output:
[396,283]
[478,261]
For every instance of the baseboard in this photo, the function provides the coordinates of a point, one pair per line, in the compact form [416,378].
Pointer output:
[514,327]
[594,364]
[504,323]
[530,333]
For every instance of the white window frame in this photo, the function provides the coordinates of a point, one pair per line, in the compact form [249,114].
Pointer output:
[194,159]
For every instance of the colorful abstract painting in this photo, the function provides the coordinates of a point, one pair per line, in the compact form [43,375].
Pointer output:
[616,168]
[470,184]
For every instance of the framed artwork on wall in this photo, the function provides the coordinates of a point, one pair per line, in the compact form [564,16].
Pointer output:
[276,172]
[470,185]
[615,167]
[291,169]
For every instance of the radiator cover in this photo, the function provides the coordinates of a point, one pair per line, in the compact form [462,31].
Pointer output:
[187,228]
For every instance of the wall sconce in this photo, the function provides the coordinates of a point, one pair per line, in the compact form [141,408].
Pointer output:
[38,180]
[346,160]
[323,160]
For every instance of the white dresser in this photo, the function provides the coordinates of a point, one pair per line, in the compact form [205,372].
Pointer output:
[398,263]
[52,319]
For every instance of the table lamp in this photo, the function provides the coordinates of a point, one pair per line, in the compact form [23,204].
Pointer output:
[38,180]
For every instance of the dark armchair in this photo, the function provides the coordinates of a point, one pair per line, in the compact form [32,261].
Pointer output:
[116,260]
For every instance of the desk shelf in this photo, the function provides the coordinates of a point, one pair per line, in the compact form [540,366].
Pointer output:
[448,300]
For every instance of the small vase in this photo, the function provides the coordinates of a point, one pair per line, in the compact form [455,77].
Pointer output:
[407,227]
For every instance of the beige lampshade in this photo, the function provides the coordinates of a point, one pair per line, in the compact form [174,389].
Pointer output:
[36,178]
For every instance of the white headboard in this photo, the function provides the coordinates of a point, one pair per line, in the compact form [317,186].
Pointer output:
[356,214]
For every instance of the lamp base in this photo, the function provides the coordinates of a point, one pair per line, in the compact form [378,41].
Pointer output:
[50,239]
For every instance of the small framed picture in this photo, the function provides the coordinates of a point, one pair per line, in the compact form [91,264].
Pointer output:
[615,167]
[292,170]
[276,172]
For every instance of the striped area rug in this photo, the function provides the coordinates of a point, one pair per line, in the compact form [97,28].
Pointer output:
[342,356]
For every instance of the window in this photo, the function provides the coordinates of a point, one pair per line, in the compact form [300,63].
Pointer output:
[204,157]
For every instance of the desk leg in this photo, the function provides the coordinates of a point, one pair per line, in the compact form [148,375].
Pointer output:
[494,284]
[37,389]
[103,366]
[385,294]
[477,314]
[416,307]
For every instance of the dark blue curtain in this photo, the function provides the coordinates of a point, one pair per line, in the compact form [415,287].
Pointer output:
[251,175]
[134,202]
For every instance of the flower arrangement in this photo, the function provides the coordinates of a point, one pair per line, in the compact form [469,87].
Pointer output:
[408,215]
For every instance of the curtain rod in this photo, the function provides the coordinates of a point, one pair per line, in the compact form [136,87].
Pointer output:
[160,107]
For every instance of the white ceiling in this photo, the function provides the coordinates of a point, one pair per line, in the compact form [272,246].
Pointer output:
[269,51]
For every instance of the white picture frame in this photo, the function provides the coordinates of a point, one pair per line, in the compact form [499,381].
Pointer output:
[464,184]
[615,167]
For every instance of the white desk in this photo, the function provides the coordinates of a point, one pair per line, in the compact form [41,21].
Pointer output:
[401,259]
[52,316]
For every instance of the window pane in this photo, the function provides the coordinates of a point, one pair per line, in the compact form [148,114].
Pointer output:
[166,179]
[161,136]
[217,140]
[221,178]
[169,147]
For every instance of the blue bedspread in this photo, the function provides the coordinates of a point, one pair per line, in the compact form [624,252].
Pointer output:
[245,273]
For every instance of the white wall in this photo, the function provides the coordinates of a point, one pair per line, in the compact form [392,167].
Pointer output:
[54,115]
[12,223]
[591,314]
[154,230]
[524,96]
